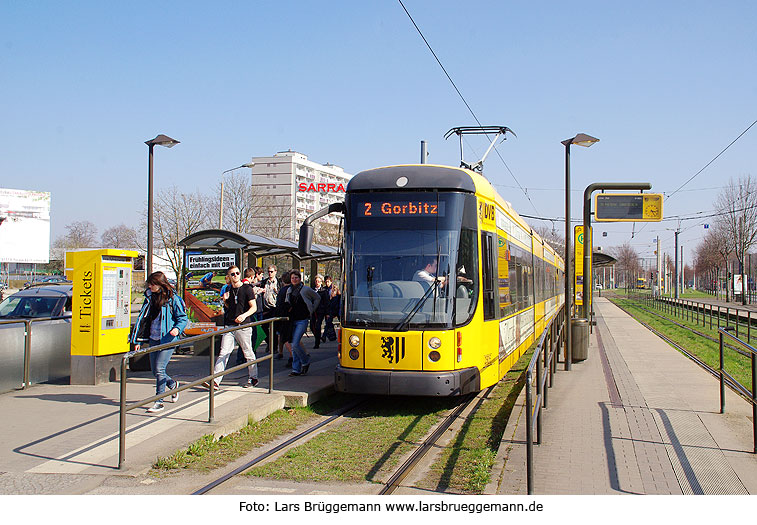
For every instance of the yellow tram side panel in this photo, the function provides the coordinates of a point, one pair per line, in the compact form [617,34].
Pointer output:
[484,335]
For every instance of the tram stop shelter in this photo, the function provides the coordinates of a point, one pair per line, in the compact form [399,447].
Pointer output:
[210,252]
[255,246]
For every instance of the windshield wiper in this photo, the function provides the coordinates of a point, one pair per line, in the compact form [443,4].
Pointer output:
[402,325]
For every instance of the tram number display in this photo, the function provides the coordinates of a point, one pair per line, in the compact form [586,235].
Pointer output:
[404,208]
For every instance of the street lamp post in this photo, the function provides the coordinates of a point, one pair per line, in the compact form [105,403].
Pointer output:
[220,213]
[581,140]
[161,140]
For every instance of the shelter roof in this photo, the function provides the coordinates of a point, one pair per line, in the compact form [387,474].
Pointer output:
[599,259]
[257,244]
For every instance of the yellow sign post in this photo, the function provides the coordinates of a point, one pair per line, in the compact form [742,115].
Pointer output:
[579,244]
[101,313]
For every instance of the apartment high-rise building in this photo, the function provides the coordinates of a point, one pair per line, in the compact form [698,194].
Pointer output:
[290,187]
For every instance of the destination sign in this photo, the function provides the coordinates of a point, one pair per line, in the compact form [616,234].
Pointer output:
[404,208]
[628,207]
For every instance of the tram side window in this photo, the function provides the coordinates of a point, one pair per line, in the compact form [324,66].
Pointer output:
[489,270]
[466,291]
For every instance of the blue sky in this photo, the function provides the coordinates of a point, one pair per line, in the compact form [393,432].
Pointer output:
[664,85]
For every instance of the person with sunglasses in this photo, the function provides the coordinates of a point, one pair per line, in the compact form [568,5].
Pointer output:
[239,306]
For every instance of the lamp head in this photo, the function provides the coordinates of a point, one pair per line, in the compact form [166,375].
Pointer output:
[582,139]
[162,140]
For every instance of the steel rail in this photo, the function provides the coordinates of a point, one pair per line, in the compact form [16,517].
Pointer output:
[401,473]
[279,448]
[697,332]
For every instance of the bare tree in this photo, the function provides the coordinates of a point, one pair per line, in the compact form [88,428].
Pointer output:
[176,216]
[706,261]
[238,202]
[329,235]
[120,236]
[628,265]
[738,205]
[724,246]
[80,234]
[553,237]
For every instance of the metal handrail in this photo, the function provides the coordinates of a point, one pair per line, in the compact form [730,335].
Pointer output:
[543,372]
[211,391]
[723,374]
[25,381]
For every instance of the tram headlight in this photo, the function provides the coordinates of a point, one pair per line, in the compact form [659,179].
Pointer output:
[354,341]
[434,343]
[354,354]
[434,356]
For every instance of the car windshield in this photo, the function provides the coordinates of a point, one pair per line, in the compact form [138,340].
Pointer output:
[409,269]
[15,307]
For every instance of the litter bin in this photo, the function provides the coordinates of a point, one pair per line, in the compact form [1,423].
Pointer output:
[580,339]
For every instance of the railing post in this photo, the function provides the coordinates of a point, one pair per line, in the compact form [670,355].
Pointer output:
[211,383]
[27,353]
[529,437]
[272,350]
[538,394]
[749,326]
[754,400]
[122,416]
[722,381]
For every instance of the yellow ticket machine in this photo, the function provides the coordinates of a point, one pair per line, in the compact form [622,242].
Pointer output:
[101,313]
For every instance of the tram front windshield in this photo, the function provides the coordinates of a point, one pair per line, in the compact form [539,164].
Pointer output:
[411,260]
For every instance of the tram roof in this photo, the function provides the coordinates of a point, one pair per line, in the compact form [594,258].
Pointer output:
[418,177]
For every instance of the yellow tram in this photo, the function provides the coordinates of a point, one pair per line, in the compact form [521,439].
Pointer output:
[444,285]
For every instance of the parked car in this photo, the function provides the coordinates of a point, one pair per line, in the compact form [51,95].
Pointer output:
[41,300]
[46,279]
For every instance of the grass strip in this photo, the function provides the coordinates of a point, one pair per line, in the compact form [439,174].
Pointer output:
[738,365]
[367,446]
[209,453]
[465,465]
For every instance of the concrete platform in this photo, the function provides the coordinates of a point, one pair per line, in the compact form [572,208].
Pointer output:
[637,417]
[50,433]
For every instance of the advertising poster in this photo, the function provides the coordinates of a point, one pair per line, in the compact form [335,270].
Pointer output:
[206,275]
[24,226]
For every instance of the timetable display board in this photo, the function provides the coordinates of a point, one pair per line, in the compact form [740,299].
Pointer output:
[628,207]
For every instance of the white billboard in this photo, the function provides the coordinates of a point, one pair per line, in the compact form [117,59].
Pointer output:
[24,226]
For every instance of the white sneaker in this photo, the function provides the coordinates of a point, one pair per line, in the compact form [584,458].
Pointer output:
[157,407]
[175,396]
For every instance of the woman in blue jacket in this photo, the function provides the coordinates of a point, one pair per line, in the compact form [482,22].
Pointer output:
[161,320]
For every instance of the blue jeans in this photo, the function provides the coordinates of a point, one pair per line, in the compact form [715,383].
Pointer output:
[299,356]
[158,362]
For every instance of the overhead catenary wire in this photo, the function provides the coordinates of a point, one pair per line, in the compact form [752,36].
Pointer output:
[459,93]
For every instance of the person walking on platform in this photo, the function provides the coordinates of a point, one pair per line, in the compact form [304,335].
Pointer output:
[302,301]
[239,306]
[332,312]
[284,328]
[316,321]
[271,286]
[162,318]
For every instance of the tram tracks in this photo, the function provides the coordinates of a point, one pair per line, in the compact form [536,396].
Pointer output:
[734,386]
[412,465]
[282,447]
